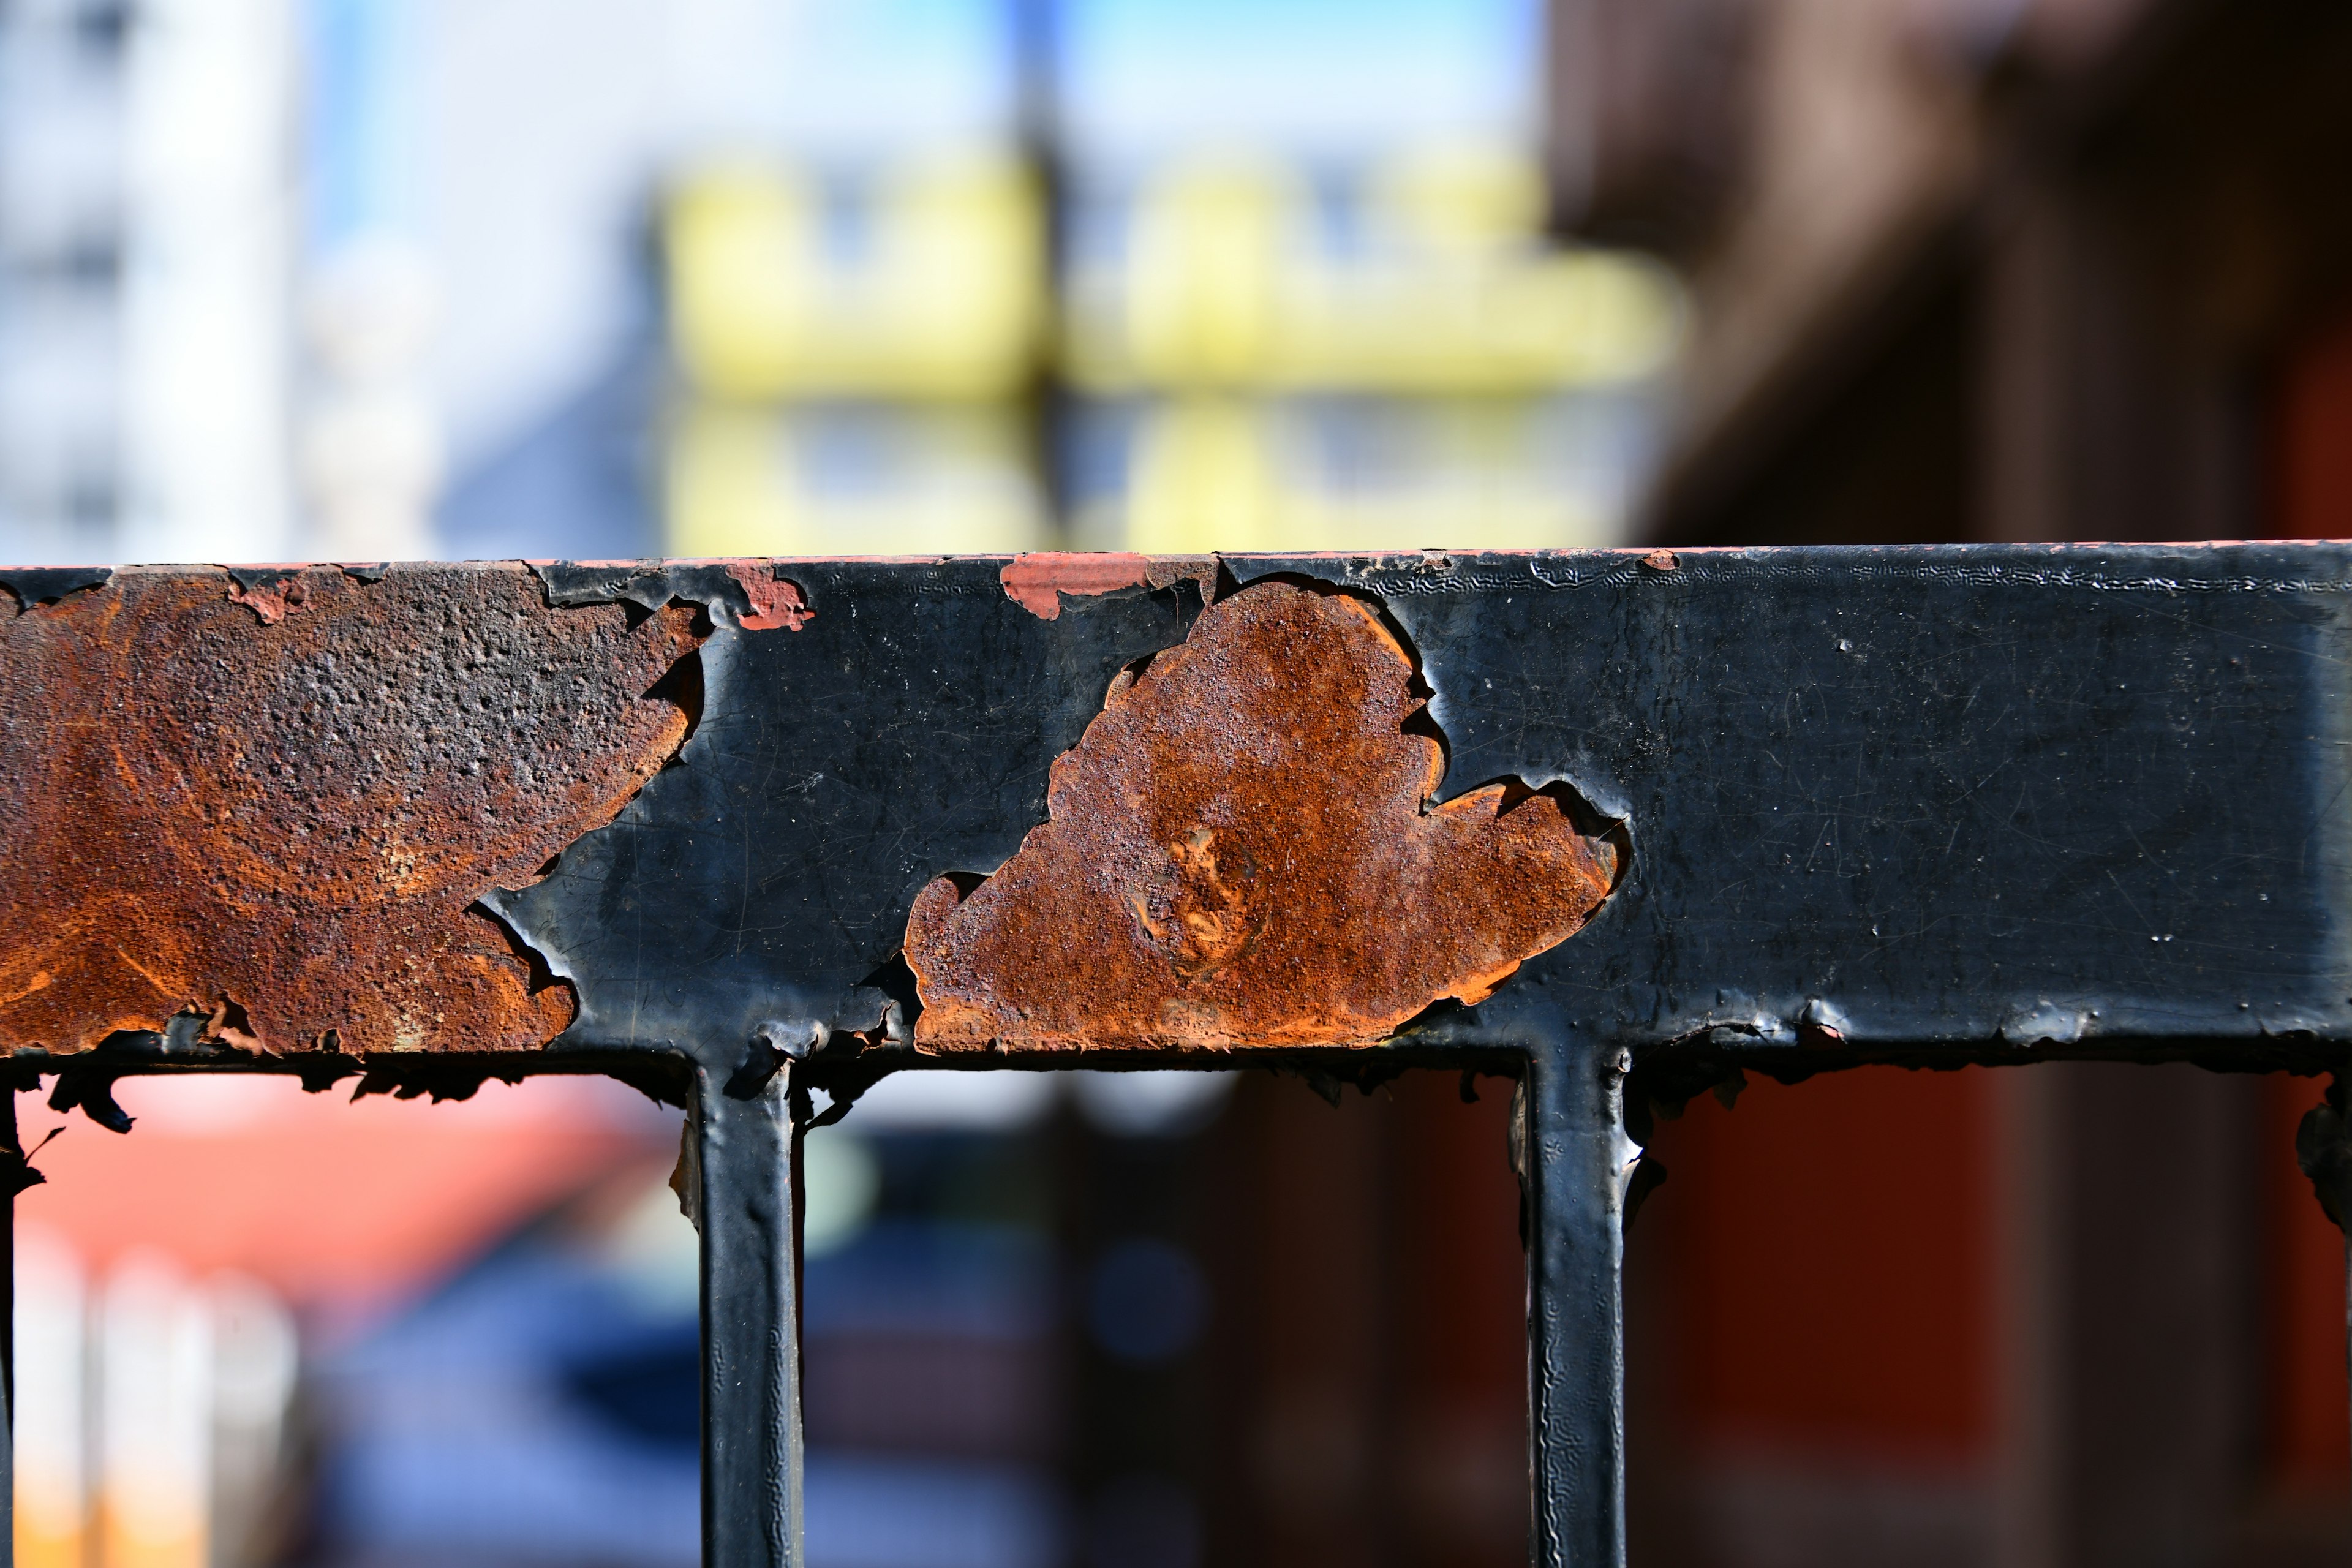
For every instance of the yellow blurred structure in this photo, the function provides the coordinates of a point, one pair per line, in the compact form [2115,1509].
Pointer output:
[1431,278]
[925,282]
[149,1410]
[52,1500]
[756,480]
[1263,357]
[154,1408]
[857,355]
[1211,472]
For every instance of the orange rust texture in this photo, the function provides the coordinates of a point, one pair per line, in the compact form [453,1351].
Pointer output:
[273,603]
[1240,853]
[281,824]
[775,601]
[1036,581]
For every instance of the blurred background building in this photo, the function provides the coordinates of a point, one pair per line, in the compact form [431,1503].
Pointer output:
[359,278]
[1985,269]
[365,278]
[1080,1318]
[400,277]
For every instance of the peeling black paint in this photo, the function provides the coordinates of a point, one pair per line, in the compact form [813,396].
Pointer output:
[648,584]
[47,584]
[905,732]
[1983,801]
[1930,806]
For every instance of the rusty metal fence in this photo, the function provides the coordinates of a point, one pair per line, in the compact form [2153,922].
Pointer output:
[753,835]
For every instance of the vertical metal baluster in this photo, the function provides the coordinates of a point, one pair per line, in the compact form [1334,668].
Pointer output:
[12,1162]
[1573,1159]
[751,1360]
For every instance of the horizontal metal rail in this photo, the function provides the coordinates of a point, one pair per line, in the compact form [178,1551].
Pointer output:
[753,835]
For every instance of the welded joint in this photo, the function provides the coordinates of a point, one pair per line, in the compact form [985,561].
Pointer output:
[774,1044]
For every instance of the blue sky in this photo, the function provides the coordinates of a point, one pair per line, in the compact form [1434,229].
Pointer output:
[1314,77]
[1139,78]
[887,72]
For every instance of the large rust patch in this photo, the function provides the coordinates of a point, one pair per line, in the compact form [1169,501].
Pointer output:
[281,821]
[1240,853]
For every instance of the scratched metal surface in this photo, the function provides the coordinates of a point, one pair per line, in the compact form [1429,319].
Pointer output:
[1922,804]
[2072,800]
[2083,798]
[2068,800]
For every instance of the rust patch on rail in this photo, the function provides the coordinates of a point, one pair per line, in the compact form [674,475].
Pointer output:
[1037,582]
[281,826]
[775,601]
[273,592]
[1240,852]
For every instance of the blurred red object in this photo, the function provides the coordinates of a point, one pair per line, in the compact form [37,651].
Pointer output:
[1826,1312]
[337,1204]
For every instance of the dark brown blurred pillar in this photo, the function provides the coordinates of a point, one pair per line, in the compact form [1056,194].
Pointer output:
[2104,409]
[1370,1345]
[1138,1450]
[2131,1288]
[1458,1445]
[1301,1330]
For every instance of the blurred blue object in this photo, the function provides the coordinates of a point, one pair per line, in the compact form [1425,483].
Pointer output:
[579,484]
[898,1513]
[457,1433]
[1146,1301]
[912,1276]
[542,1406]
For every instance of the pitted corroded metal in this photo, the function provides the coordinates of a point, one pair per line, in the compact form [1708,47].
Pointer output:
[271,800]
[1240,852]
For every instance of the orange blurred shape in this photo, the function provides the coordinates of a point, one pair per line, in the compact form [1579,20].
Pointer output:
[332,1202]
[1837,1265]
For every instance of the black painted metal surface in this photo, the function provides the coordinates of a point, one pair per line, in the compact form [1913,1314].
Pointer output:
[1576,1166]
[1976,797]
[744,1173]
[1973,803]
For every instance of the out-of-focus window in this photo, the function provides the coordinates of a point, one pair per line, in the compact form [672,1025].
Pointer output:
[857,307]
[1308,299]
[144,394]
